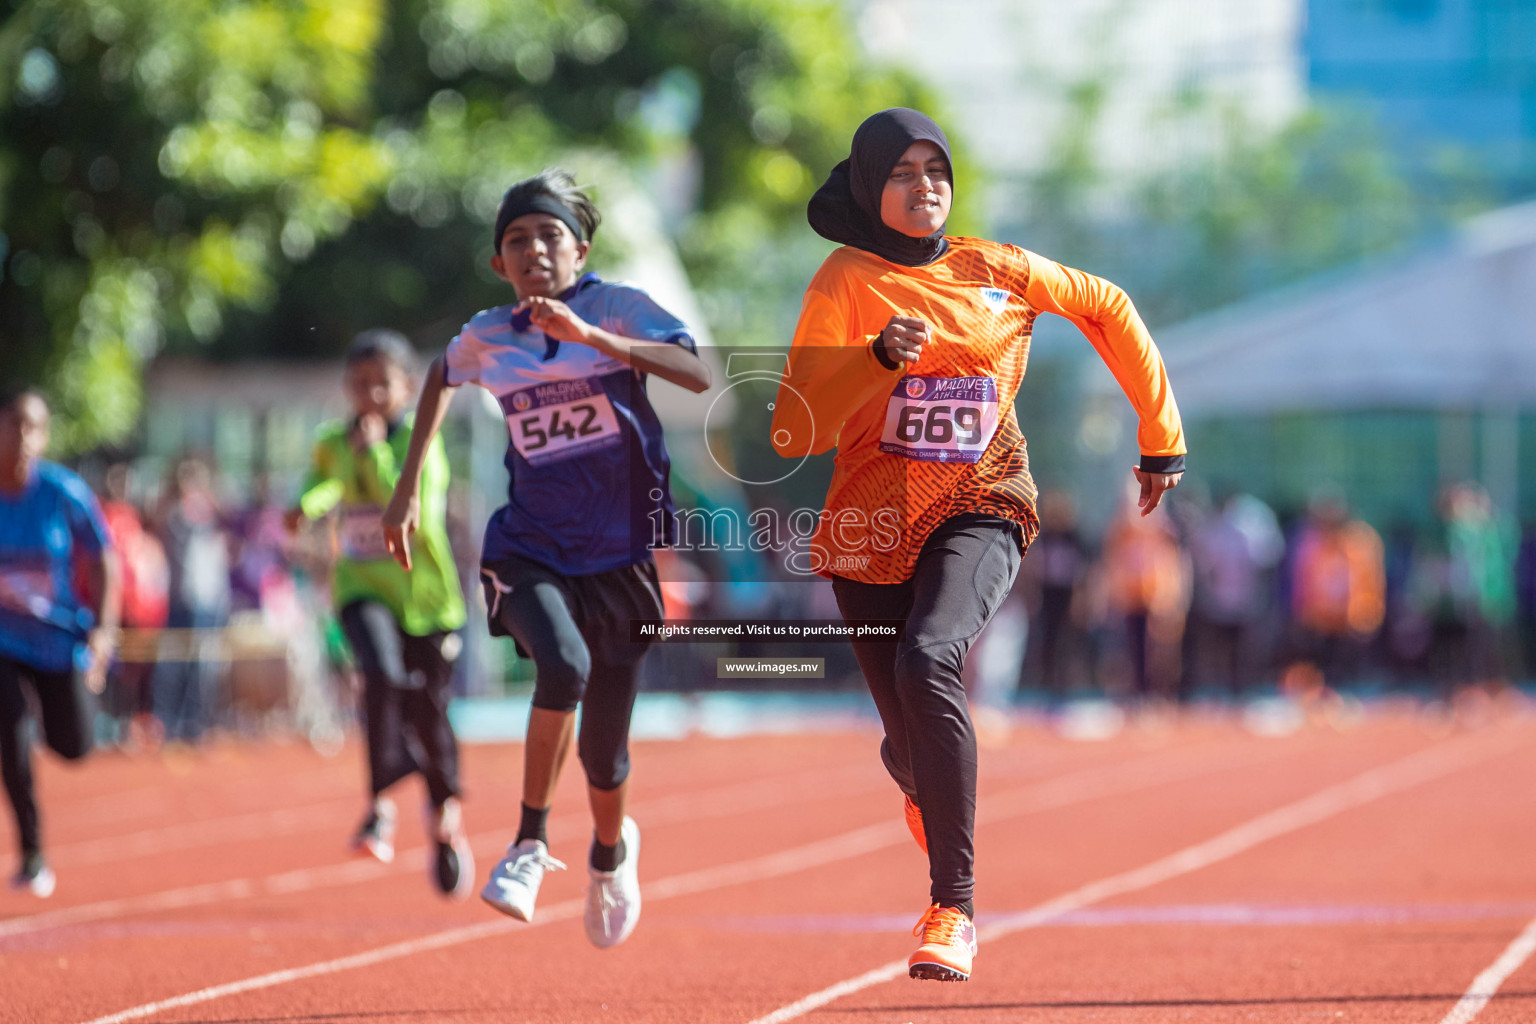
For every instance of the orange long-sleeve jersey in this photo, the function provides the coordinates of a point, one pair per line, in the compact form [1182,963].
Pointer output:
[1340,580]
[939,437]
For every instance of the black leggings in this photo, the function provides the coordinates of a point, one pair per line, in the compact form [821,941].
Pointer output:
[576,630]
[406,682]
[965,570]
[68,710]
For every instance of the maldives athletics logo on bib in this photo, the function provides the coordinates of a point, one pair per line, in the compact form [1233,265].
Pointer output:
[940,419]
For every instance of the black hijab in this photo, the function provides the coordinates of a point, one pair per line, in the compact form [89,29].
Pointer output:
[846,209]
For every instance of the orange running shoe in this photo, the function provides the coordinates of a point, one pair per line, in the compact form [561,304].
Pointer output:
[915,822]
[949,945]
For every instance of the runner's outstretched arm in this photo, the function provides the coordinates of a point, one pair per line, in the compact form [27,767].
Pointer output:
[318,494]
[668,361]
[104,576]
[1106,316]
[404,512]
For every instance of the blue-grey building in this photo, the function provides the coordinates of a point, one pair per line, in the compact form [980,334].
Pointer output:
[1436,72]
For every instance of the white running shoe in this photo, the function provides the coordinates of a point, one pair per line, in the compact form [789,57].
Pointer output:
[613,898]
[514,883]
[35,877]
[376,835]
[453,865]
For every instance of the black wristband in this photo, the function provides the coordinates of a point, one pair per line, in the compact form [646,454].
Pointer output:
[1162,464]
[885,360]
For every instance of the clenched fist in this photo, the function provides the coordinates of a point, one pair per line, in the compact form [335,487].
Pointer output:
[904,337]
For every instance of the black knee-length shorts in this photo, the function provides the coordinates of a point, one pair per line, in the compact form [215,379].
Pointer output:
[577,631]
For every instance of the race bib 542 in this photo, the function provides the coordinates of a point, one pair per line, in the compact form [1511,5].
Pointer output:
[560,420]
[940,419]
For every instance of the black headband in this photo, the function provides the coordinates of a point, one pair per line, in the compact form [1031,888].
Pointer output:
[514,206]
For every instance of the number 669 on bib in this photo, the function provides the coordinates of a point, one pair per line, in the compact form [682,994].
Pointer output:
[940,419]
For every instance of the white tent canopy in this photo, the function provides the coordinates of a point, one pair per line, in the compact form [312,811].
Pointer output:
[1451,328]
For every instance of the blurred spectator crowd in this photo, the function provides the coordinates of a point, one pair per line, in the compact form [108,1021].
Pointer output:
[1227,598]
[1204,599]
[227,617]
[223,613]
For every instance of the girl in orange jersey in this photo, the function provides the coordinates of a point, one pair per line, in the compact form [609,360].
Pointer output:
[907,357]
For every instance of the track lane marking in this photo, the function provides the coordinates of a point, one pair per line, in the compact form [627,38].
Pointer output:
[1486,985]
[256,824]
[1048,795]
[439,940]
[718,801]
[1396,776]
[202,832]
[159,799]
[168,796]
[669,809]
[1219,915]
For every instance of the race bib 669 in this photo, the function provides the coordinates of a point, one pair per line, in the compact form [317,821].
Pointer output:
[560,420]
[940,419]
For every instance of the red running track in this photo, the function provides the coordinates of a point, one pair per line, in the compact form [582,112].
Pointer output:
[1192,873]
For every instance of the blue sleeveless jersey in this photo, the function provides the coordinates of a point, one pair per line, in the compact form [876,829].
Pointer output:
[44,532]
[589,470]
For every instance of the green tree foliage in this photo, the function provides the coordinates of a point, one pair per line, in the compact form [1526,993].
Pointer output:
[245,177]
[159,158]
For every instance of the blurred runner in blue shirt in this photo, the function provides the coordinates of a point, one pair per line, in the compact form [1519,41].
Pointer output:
[54,640]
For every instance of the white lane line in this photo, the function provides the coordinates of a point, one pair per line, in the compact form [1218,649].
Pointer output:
[1139,775]
[1486,985]
[169,796]
[112,808]
[718,801]
[439,940]
[136,803]
[1394,777]
[1079,787]
[202,832]
[848,845]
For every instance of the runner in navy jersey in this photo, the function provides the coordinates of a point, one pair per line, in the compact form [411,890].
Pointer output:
[55,641]
[567,562]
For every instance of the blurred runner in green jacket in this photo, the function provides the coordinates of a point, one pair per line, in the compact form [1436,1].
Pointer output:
[402,625]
